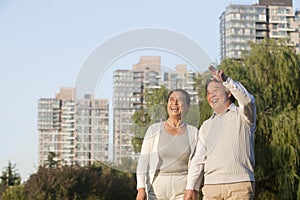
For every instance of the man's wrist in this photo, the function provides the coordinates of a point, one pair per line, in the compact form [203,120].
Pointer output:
[224,78]
[191,189]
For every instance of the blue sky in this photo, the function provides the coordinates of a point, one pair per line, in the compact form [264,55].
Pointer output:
[44,44]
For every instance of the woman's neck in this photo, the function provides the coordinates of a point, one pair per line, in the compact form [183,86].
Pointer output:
[175,122]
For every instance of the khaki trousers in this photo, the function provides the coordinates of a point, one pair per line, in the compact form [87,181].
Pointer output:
[168,187]
[230,191]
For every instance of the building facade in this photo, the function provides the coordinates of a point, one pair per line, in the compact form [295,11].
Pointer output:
[241,24]
[74,130]
[92,121]
[128,87]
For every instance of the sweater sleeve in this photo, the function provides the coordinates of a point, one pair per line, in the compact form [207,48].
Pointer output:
[143,161]
[245,100]
[195,173]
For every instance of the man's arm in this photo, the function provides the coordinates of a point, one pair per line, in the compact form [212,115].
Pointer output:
[195,172]
[141,195]
[245,100]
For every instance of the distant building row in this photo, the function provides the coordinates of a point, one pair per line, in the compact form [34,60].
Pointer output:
[77,130]
[240,24]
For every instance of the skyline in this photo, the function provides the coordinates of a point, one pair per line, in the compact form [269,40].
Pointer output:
[44,45]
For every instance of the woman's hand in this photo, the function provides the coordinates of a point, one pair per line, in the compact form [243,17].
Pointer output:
[141,195]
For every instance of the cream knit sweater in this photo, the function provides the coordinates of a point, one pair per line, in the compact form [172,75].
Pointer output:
[225,149]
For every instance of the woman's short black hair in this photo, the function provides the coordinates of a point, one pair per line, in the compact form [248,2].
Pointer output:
[185,93]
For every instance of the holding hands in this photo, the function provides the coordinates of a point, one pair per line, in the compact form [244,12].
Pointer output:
[141,194]
[190,195]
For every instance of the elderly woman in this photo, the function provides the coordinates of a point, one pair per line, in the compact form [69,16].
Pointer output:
[166,153]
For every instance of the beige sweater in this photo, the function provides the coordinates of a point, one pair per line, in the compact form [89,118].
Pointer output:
[225,149]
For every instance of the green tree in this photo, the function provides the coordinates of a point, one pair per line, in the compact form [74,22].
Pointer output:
[156,96]
[80,183]
[16,192]
[205,110]
[155,111]
[192,115]
[51,162]
[141,121]
[271,72]
[10,177]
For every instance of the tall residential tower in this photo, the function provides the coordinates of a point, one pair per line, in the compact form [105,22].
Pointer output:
[73,131]
[240,24]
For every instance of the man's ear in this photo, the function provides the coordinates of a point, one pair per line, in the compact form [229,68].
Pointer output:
[229,94]
[231,97]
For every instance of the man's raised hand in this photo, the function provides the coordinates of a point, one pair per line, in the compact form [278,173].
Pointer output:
[217,74]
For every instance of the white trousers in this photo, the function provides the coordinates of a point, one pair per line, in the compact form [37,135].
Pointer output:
[168,187]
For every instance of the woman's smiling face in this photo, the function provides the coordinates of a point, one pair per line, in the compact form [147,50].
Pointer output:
[177,105]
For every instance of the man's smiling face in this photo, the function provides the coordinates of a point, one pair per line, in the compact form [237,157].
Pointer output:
[217,97]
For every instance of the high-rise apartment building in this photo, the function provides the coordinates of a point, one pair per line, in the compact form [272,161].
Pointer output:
[92,120]
[74,130]
[128,87]
[240,24]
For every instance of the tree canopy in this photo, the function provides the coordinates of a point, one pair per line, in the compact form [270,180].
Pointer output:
[73,182]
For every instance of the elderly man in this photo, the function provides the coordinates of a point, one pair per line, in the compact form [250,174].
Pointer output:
[225,149]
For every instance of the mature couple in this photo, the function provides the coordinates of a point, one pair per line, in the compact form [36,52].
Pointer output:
[176,157]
